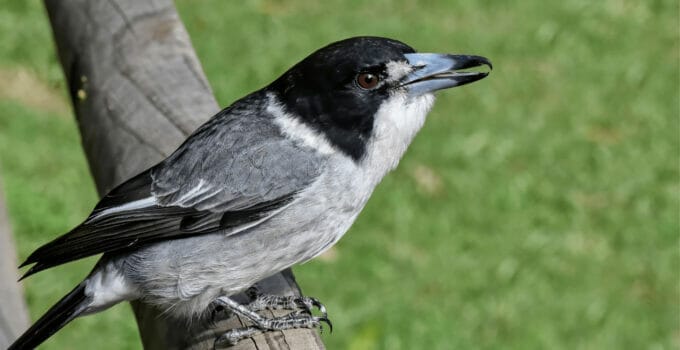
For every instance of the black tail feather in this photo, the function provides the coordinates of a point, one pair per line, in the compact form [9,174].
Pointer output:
[68,308]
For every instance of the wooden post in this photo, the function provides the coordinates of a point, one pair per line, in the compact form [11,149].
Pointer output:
[13,311]
[138,91]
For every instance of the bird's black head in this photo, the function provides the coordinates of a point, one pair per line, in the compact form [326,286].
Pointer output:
[338,89]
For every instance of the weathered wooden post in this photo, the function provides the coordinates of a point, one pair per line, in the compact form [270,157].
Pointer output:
[13,312]
[138,91]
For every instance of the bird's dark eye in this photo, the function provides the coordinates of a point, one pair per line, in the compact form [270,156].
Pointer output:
[368,81]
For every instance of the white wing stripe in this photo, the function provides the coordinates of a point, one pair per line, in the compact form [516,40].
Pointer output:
[196,191]
[134,205]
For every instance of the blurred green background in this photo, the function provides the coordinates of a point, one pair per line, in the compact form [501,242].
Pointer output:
[537,209]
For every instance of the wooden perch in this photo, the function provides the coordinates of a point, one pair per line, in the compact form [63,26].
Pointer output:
[138,91]
[13,311]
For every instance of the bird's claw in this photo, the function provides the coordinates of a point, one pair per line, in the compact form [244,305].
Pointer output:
[233,336]
[327,321]
[300,318]
[309,303]
[259,301]
[297,319]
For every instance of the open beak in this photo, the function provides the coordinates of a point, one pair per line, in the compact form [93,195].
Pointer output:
[434,71]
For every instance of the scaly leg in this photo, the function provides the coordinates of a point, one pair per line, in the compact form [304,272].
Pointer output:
[298,319]
[259,302]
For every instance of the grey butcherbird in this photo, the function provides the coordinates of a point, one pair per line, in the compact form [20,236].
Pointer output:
[269,182]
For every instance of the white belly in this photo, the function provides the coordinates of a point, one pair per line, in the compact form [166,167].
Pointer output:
[185,275]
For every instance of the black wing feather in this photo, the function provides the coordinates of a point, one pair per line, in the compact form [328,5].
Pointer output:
[116,236]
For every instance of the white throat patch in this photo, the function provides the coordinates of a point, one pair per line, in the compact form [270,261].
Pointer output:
[396,123]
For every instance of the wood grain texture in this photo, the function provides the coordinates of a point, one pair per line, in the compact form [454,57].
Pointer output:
[138,91]
[13,311]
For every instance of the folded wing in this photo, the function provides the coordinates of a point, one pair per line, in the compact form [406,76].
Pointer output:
[234,172]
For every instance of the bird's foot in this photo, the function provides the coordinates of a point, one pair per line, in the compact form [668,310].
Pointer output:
[297,319]
[259,302]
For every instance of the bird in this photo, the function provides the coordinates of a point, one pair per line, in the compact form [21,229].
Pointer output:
[269,182]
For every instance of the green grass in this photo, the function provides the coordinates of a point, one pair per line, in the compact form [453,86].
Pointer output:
[537,209]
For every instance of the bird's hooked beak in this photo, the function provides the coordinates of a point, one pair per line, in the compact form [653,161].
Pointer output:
[434,71]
